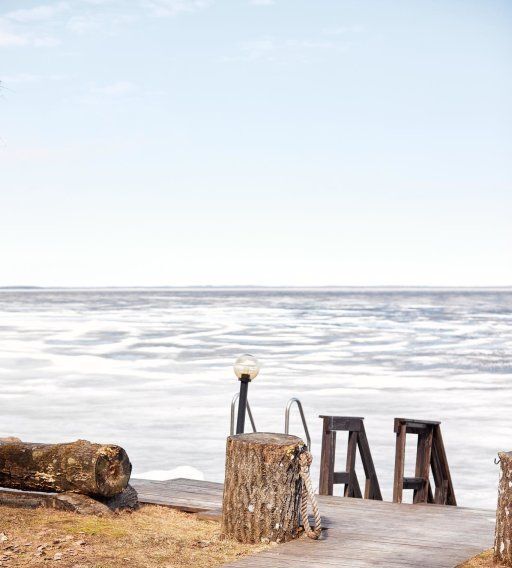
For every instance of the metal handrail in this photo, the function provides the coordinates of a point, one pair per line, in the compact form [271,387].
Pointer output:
[233,405]
[303,418]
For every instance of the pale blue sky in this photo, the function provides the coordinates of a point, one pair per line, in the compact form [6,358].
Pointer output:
[285,142]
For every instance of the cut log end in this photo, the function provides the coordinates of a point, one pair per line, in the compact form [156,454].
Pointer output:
[113,470]
[266,439]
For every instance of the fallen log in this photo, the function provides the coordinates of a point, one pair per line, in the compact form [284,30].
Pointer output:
[81,504]
[77,467]
[74,502]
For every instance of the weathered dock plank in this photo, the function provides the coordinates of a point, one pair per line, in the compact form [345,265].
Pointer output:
[184,494]
[363,535]
[360,533]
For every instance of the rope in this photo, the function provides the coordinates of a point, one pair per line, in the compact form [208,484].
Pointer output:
[305,460]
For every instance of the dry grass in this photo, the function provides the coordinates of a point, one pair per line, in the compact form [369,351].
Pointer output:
[483,560]
[151,537]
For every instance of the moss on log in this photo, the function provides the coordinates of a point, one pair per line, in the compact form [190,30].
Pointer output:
[77,467]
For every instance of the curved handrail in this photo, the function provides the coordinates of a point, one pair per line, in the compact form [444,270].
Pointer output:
[303,418]
[233,405]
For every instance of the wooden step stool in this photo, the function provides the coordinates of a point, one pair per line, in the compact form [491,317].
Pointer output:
[430,454]
[356,438]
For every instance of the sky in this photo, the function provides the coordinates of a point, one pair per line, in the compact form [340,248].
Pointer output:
[255,142]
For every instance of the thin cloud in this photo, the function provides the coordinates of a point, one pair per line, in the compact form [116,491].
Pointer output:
[16,38]
[342,30]
[45,41]
[37,13]
[262,2]
[272,50]
[84,24]
[42,26]
[89,23]
[260,48]
[117,89]
[27,78]
[167,8]
[31,26]
[100,2]
[12,39]
[20,78]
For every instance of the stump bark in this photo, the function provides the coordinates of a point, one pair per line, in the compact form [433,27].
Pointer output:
[503,535]
[78,467]
[262,488]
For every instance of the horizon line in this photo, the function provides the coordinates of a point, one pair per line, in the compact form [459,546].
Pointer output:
[262,287]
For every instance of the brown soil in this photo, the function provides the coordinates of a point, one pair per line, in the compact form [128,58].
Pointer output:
[151,537]
[483,560]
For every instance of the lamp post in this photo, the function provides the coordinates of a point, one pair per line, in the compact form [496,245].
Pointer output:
[246,369]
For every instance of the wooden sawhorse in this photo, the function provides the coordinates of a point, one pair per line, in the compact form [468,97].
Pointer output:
[356,438]
[430,454]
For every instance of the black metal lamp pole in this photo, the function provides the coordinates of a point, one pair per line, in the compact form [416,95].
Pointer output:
[242,403]
[246,369]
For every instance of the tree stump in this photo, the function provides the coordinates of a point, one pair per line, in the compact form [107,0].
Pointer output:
[262,487]
[503,535]
[77,467]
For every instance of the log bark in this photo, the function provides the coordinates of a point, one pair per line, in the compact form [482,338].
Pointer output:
[81,504]
[77,467]
[262,488]
[503,535]
[126,500]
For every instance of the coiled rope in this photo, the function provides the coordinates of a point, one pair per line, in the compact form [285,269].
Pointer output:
[305,460]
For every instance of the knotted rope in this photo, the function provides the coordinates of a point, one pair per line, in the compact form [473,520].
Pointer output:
[305,460]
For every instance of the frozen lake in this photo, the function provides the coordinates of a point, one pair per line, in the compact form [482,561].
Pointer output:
[150,369]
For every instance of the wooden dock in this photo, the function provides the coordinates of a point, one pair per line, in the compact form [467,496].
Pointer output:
[359,533]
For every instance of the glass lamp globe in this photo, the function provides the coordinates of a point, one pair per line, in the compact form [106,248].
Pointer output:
[247,365]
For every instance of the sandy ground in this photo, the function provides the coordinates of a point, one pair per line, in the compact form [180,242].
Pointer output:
[153,536]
